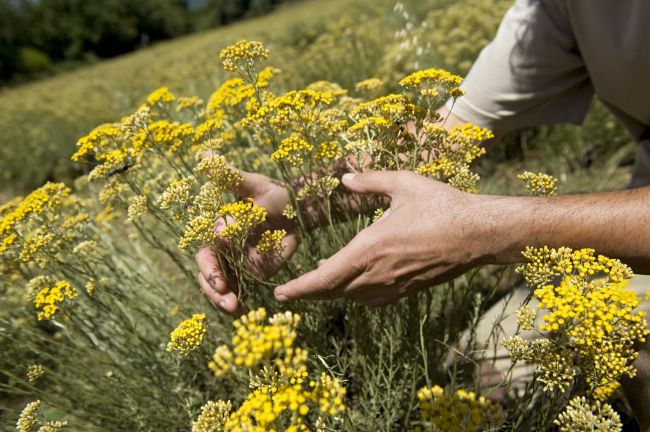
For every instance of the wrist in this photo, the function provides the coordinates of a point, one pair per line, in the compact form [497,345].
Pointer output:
[504,227]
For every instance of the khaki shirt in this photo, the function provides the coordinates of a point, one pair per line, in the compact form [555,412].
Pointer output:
[550,57]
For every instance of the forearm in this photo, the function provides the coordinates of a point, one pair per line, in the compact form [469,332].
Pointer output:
[616,224]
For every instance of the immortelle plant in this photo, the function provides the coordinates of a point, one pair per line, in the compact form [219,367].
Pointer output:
[109,326]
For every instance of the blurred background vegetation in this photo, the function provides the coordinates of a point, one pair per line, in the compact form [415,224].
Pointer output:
[344,41]
[40,37]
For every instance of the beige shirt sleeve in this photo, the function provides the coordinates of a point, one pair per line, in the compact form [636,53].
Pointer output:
[530,74]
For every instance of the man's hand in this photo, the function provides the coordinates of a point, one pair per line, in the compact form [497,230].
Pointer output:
[428,235]
[273,196]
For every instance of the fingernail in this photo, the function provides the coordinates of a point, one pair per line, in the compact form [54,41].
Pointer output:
[281,297]
[347,177]
[222,304]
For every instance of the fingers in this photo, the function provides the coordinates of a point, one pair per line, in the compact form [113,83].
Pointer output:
[251,185]
[328,280]
[375,182]
[210,270]
[227,301]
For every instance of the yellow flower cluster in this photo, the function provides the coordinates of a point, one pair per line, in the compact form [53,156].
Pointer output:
[294,109]
[461,411]
[219,173]
[321,188]
[372,127]
[199,229]
[396,108]
[526,318]
[606,391]
[185,103]
[160,95]
[539,184]
[292,149]
[545,264]
[592,324]
[29,417]
[278,394]
[329,393]
[95,140]
[34,372]
[229,95]
[452,152]
[137,207]
[241,218]
[213,417]
[254,342]
[328,150]
[428,81]
[271,241]
[178,192]
[265,75]
[188,335]
[162,135]
[30,420]
[208,129]
[243,55]
[581,416]
[49,196]
[369,85]
[48,299]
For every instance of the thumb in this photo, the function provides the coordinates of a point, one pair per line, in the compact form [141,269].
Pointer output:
[374,182]
[252,185]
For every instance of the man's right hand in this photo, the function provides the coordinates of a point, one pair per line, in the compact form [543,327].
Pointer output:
[273,196]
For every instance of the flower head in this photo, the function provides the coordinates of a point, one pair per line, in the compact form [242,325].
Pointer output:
[244,55]
[188,335]
[581,416]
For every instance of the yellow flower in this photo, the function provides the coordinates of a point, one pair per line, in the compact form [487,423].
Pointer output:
[369,85]
[29,417]
[244,55]
[427,81]
[230,95]
[137,207]
[96,141]
[581,416]
[591,321]
[188,335]
[34,372]
[458,411]
[213,417]
[241,218]
[178,192]
[396,108]
[48,299]
[292,149]
[321,188]
[219,173]
[185,103]
[160,95]
[265,76]
[539,184]
[271,241]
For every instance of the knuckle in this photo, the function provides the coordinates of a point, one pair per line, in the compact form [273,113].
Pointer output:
[215,276]
[388,278]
